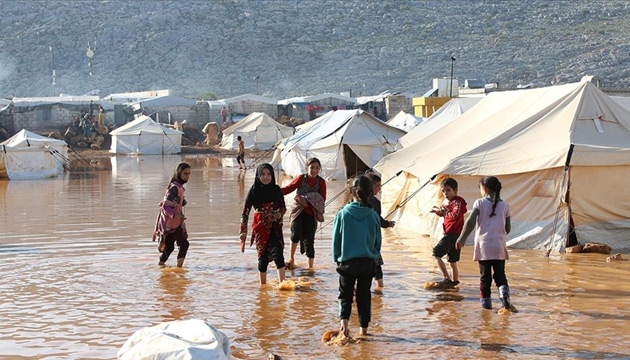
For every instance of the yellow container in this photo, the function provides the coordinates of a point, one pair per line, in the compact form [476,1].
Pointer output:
[426,106]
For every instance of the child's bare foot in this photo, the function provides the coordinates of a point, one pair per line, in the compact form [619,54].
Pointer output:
[363,331]
[344,327]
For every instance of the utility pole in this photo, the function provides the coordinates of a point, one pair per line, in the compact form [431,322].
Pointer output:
[256,78]
[91,52]
[52,55]
[452,62]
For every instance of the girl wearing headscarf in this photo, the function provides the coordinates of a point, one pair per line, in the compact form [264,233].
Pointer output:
[267,200]
[169,226]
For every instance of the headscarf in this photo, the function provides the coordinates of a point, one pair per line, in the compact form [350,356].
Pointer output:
[260,193]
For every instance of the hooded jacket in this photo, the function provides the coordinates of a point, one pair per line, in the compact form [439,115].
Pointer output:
[356,233]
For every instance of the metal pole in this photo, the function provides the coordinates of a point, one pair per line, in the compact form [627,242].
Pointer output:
[52,55]
[452,62]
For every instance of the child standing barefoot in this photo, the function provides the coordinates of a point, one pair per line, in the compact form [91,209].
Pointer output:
[453,213]
[376,205]
[304,224]
[169,226]
[268,202]
[492,217]
[356,246]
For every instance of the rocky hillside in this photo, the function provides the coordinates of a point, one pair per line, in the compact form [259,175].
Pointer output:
[284,48]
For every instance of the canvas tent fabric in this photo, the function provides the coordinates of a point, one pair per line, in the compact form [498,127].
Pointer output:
[526,144]
[145,136]
[345,141]
[27,155]
[404,121]
[447,113]
[258,131]
[177,340]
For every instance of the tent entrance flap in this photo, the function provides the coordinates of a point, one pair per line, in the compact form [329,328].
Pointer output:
[354,165]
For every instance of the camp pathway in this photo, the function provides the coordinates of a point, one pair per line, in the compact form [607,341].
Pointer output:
[80,276]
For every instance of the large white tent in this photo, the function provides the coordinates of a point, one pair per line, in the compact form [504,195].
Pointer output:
[526,143]
[27,155]
[258,131]
[145,136]
[345,141]
[404,121]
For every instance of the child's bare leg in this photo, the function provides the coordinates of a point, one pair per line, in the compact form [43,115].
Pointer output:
[442,266]
[310,262]
[281,274]
[262,276]
[293,248]
[344,327]
[379,283]
[363,331]
[455,271]
[180,262]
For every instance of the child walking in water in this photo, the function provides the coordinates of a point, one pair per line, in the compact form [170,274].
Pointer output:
[268,202]
[376,205]
[169,226]
[492,216]
[309,208]
[240,154]
[453,213]
[356,246]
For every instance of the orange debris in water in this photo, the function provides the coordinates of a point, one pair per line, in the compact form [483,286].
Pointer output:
[334,337]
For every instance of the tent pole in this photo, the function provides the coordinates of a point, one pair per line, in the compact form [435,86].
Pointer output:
[564,190]
[402,203]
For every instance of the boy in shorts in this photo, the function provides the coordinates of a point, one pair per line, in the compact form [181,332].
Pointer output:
[453,213]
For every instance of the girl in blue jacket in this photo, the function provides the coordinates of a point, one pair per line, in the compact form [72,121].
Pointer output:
[356,246]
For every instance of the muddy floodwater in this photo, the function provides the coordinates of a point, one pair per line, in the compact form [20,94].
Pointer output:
[79,276]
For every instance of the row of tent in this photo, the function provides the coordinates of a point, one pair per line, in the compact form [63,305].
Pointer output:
[562,154]
[27,155]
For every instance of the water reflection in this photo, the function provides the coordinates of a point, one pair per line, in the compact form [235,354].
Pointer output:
[174,303]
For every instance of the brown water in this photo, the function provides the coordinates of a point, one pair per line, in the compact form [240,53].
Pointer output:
[79,276]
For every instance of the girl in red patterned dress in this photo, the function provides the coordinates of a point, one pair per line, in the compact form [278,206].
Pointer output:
[267,200]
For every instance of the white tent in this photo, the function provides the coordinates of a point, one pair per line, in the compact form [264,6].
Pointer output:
[447,113]
[404,121]
[258,131]
[346,142]
[27,155]
[145,136]
[526,144]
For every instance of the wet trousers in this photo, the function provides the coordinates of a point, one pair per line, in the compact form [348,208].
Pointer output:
[303,231]
[357,271]
[491,269]
[275,250]
[178,236]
